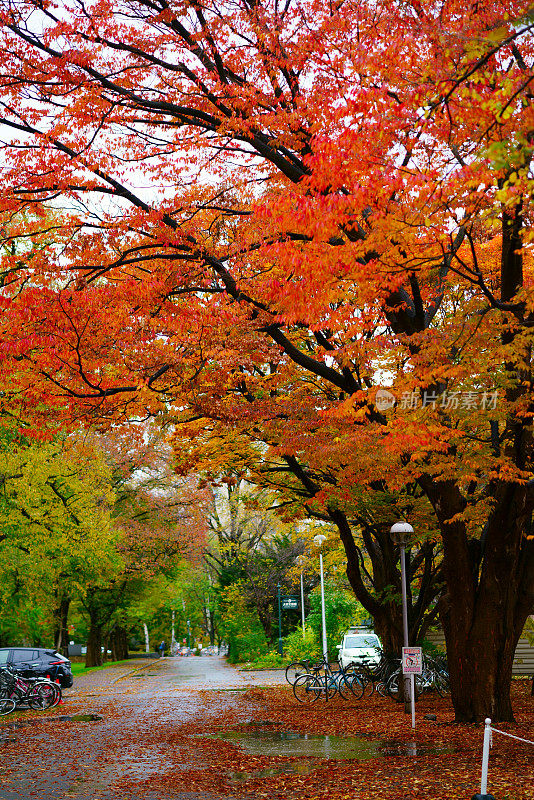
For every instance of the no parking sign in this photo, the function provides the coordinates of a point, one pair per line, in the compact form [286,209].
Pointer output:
[412,660]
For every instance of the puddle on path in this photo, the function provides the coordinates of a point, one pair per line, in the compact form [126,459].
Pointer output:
[284,743]
[291,768]
[307,745]
[233,689]
[142,675]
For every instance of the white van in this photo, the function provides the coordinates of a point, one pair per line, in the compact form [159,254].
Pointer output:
[359,647]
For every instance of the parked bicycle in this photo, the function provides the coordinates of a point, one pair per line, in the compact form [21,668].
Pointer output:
[36,693]
[314,679]
[324,682]
[298,668]
[435,676]
[373,676]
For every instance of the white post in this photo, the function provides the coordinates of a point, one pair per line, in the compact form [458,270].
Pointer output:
[302,605]
[173,640]
[485,756]
[325,647]
[407,682]
[412,695]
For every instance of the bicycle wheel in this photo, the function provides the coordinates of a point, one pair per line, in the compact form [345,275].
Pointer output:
[308,688]
[53,687]
[356,685]
[381,689]
[332,686]
[358,681]
[294,671]
[392,687]
[343,685]
[367,683]
[7,705]
[41,696]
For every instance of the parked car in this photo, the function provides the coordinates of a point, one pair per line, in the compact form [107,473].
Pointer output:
[358,647]
[38,662]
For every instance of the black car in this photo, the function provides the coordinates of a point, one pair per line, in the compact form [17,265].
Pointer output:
[38,661]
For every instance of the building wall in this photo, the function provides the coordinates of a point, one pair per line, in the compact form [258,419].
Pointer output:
[524,654]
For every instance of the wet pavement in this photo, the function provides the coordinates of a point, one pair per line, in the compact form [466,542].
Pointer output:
[139,708]
[292,743]
[198,729]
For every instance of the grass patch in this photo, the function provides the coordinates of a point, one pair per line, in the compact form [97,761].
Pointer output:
[80,669]
[266,661]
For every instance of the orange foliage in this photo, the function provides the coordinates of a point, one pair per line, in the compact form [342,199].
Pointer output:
[259,214]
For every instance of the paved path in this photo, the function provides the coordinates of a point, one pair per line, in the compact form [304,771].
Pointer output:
[205,672]
[141,705]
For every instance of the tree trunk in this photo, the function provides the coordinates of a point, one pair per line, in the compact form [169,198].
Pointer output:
[211,627]
[147,638]
[118,641]
[264,614]
[93,657]
[61,631]
[388,626]
[490,585]
[481,654]
[480,668]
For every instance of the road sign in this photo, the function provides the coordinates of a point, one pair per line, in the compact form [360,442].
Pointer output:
[412,660]
[290,603]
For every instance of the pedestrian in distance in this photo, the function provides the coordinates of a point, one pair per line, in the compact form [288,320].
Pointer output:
[161,649]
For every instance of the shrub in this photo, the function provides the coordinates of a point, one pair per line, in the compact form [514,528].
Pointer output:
[271,660]
[240,627]
[297,646]
[342,611]
[431,649]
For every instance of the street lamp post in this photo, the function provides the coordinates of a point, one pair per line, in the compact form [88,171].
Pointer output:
[318,542]
[300,562]
[401,533]
[280,640]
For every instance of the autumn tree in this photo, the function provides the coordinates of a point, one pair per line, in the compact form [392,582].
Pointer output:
[270,211]
[251,547]
[160,520]
[219,453]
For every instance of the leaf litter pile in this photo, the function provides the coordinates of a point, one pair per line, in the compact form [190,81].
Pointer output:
[162,752]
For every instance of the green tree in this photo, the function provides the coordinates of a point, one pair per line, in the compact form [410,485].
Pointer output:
[56,533]
[252,547]
[342,611]
[160,520]
[240,626]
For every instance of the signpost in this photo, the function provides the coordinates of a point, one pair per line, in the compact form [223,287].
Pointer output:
[412,664]
[290,603]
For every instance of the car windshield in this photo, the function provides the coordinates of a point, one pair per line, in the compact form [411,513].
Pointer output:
[361,641]
[3,656]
